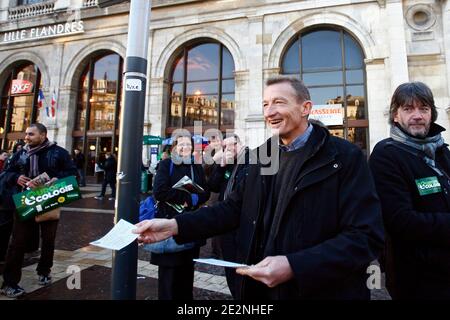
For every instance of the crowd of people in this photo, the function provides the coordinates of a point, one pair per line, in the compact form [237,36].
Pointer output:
[308,223]
[310,229]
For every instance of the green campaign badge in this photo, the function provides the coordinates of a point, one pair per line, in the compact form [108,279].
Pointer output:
[227,174]
[46,198]
[428,185]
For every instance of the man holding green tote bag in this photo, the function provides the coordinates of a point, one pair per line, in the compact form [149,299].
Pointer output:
[39,156]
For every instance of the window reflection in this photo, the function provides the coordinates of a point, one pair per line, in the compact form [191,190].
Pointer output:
[358,136]
[291,60]
[323,78]
[327,95]
[19,102]
[209,84]
[203,62]
[332,67]
[21,113]
[354,57]
[321,50]
[355,102]
[103,97]
[103,100]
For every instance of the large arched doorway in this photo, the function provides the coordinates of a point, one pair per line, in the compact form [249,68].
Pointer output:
[202,88]
[331,64]
[96,128]
[22,102]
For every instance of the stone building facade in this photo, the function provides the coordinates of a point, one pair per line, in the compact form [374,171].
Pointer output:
[352,53]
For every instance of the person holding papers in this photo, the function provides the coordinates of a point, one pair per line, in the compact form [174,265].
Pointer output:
[309,227]
[179,184]
[40,156]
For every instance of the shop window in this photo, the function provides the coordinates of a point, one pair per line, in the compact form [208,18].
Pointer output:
[102,96]
[202,88]
[98,107]
[331,64]
[20,105]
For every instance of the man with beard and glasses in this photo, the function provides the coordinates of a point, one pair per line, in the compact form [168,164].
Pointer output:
[411,172]
[38,156]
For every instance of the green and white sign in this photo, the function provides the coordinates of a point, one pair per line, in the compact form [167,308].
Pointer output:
[428,185]
[42,199]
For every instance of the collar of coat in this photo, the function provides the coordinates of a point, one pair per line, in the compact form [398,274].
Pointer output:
[318,139]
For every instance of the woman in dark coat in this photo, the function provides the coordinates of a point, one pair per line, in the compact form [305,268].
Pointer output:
[176,270]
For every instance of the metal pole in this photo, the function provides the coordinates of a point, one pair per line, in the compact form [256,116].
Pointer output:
[124,268]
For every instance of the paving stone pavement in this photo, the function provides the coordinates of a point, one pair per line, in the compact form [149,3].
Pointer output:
[89,219]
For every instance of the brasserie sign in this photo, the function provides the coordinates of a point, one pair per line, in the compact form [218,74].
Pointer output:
[42,32]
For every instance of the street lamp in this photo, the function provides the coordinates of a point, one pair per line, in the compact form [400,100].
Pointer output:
[124,266]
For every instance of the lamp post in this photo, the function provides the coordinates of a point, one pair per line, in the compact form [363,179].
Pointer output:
[124,267]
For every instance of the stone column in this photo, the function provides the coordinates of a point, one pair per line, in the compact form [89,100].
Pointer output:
[254,120]
[395,28]
[241,94]
[60,127]
[378,97]
[65,115]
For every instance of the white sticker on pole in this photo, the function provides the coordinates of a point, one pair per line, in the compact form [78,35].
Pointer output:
[133,85]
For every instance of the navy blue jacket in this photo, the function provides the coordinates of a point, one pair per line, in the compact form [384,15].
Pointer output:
[330,226]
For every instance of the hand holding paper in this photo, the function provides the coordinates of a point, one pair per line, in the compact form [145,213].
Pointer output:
[155,230]
[271,271]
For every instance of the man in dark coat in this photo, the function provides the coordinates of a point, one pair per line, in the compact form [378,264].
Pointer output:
[308,230]
[411,172]
[224,179]
[110,168]
[79,160]
[37,157]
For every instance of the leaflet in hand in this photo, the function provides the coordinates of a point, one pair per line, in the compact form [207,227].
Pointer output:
[118,237]
[177,207]
[186,184]
[221,263]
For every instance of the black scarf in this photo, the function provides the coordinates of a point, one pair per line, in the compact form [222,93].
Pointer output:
[34,158]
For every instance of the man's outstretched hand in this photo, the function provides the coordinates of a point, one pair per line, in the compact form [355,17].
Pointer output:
[156,230]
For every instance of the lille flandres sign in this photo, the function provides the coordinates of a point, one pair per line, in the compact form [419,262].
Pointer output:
[37,33]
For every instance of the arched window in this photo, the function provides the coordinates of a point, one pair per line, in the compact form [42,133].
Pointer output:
[202,88]
[331,64]
[98,107]
[20,103]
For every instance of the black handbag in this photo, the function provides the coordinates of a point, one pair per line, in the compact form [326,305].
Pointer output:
[7,207]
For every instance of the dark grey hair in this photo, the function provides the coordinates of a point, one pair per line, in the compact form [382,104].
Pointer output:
[301,91]
[408,92]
